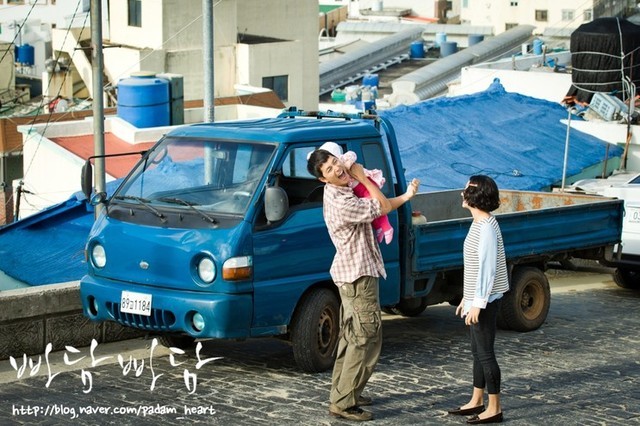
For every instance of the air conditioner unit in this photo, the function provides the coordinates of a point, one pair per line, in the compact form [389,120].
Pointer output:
[608,106]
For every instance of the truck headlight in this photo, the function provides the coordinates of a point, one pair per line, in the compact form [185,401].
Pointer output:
[206,270]
[98,256]
[238,268]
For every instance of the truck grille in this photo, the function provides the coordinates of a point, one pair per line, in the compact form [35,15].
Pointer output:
[158,320]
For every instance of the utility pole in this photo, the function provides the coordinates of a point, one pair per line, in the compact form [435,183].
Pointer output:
[207,47]
[97,65]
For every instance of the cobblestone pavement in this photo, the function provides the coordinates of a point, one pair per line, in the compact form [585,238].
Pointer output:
[582,367]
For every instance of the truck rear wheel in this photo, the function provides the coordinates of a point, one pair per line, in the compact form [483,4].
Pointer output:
[626,278]
[315,330]
[526,305]
[410,307]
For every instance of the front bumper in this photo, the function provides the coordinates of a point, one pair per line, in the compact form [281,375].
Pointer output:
[225,315]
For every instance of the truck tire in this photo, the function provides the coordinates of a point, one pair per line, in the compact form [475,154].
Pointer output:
[180,341]
[388,310]
[315,330]
[526,305]
[410,307]
[627,278]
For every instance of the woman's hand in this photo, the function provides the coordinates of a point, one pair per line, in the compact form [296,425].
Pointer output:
[460,308]
[472,316]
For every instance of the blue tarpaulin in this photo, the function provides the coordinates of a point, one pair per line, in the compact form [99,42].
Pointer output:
[517,140]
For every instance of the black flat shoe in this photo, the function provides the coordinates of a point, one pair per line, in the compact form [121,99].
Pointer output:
[475,420]
[467,411]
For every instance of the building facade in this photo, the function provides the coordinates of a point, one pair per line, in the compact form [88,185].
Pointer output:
[261,43]
[548,16]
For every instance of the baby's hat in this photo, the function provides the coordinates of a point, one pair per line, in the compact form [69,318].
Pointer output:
[332,147]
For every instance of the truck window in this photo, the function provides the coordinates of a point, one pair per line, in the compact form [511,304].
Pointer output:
[180,173]
[301,186]
[295,163]
[374,158]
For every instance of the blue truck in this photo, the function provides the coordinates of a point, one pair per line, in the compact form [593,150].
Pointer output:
[218,232]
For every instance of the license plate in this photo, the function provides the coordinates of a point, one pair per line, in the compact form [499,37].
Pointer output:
[135,303]
[633,214]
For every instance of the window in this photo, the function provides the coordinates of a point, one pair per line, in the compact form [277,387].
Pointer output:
[465,3]
[135,13]
[567,14]
[15,1]
[373,157]
[295,165]
[509,25]
[279,84]
[541,15]
[588,15]
[514,3]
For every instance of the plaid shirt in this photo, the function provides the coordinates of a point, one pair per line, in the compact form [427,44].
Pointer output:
[348,220]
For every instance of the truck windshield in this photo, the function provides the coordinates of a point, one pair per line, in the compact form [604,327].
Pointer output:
[198,175]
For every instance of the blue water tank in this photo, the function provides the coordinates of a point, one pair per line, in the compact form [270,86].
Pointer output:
[143,100]
[475,39]
[372,80]
[537,47]
[417,49]
[25,54]
[440,38]
[448,48]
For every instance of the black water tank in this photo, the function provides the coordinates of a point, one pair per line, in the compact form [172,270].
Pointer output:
[597,60]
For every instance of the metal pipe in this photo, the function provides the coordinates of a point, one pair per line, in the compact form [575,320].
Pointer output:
[207,48]
[566,152]
[97,65]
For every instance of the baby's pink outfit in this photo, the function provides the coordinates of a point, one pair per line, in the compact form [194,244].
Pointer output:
[381,225]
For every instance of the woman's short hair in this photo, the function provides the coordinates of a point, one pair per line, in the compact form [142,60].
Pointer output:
[316,160]
[482,193]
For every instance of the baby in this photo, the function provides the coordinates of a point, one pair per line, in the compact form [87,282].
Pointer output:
[381,225]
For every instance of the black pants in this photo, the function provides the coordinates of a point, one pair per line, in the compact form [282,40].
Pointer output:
[486,371]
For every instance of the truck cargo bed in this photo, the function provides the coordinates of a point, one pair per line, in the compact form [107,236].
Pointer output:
[535,225]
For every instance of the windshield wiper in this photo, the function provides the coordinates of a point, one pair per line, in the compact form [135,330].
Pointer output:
[191,206]
[144,202]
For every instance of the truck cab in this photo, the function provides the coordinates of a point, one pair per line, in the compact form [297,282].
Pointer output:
[218,233]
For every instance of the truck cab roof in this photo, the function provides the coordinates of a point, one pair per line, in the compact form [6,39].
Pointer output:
[283,130]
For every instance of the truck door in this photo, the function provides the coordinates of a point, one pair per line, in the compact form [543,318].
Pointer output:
[294,253]
[372,156]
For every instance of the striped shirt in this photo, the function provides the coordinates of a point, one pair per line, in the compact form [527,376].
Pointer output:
[485,266]
[348,220]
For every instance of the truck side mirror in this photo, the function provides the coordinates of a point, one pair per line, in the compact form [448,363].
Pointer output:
[86,179]
[276,203]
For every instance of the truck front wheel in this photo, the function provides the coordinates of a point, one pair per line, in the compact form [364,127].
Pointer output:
[180,341]
[626,278]
[526,305]
[315,329]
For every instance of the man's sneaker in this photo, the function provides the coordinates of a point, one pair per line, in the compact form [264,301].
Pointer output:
[363,401]
[353,413]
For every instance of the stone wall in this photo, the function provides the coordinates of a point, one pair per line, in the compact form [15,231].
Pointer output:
[32,317]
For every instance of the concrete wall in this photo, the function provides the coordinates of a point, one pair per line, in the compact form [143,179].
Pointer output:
[291,21]
[31,318]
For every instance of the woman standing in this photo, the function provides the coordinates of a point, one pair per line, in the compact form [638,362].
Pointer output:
[485,281]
